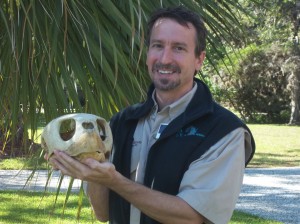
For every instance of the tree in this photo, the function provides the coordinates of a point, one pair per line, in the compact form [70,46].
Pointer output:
[50,49]
[262,77]
[258,84]
[292,68]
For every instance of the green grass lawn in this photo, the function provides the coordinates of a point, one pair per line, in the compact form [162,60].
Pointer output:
[38,208]
[243,218]
[276,146]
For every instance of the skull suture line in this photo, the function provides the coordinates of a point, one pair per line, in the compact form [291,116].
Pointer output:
[79,135]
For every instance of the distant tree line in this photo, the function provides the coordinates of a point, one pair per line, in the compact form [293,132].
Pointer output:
[262,80]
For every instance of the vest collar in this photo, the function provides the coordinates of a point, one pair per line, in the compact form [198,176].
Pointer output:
[200,105]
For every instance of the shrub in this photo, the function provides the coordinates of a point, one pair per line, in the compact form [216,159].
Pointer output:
[258,86]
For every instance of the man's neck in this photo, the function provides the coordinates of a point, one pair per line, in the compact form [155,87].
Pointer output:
[165,98]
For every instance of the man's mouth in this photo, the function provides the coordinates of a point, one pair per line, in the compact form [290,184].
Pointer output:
[166,69]
[164,72]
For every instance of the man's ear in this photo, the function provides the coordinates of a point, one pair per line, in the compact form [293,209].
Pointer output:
[199,61]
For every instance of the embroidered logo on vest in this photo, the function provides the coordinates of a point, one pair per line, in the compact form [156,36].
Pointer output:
[189,131]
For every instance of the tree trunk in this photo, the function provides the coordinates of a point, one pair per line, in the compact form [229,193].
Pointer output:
[294,69]
[294,86]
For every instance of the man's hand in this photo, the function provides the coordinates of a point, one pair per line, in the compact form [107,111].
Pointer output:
[88,170]
[47,157]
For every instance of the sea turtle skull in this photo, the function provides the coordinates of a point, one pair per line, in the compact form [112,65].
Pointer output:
[80,135]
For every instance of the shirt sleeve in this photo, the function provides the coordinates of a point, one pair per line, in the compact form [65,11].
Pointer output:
[213,183]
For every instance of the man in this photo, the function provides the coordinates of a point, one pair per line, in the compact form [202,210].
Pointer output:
[178,157]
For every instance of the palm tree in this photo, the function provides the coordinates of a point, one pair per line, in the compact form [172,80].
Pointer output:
[64,56]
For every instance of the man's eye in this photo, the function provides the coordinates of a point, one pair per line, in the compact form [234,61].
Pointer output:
[179,48]
[156,45]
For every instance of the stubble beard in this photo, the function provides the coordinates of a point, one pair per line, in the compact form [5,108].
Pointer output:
[166,84]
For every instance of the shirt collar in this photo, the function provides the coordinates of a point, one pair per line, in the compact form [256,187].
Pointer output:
[177,107]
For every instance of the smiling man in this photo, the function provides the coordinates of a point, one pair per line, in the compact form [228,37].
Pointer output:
[171,59]
[178,157]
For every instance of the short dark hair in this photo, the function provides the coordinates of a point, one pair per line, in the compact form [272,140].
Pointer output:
[183,16]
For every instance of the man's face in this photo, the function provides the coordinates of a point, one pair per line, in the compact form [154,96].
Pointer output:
[171,56]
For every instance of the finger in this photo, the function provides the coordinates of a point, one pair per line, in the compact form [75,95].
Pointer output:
[99,172]
[47,156]
[69,166]
[50,160]
[65,159]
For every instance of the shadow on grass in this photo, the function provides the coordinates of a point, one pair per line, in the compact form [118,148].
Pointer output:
[290,159]
[241,218]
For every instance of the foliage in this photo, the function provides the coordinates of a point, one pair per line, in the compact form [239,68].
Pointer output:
[269,22]
[60,57]
[256,81]
[259,85]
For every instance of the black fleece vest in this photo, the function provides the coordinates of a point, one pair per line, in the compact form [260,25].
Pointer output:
[183,141]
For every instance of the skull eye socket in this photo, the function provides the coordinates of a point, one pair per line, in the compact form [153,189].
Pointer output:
[101,129]
[67,129]
[87,125]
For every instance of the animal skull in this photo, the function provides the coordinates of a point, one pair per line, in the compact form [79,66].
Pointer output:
[79,135]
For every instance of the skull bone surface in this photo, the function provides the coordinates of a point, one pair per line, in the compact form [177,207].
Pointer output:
[79,135]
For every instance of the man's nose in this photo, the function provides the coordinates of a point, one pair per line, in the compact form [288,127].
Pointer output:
[166,56]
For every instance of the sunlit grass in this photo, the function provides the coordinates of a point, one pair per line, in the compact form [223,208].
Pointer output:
[244,218]
[276,145]
[39,208]
[31,163]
